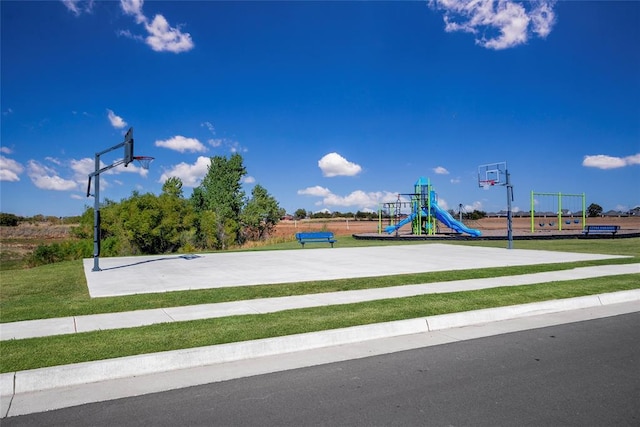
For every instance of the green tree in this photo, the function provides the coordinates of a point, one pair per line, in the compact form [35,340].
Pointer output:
[146,223]
[173,187]
[206,226]
[594,210]
[366,215]
[221,193]
[300,214]
[261,214]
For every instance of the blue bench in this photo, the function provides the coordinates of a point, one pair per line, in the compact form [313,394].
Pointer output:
[316,237]
[601,229]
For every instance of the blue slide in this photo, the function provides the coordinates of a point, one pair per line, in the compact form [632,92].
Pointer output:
[391,228]
[446,218]
[443,216]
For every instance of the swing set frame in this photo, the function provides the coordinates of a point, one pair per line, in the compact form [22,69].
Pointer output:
[559,212]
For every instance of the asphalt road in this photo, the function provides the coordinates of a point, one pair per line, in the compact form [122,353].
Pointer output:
[582,374]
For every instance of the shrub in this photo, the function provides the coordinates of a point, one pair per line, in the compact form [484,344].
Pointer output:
[56,252]
[8,219]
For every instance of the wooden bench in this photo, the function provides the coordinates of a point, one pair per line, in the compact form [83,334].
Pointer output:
[316,237]
[601,229]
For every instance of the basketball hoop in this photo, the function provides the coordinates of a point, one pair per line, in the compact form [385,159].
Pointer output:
[143,161]
[487,183]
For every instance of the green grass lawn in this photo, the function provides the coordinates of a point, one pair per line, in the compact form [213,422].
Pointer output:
[60,290]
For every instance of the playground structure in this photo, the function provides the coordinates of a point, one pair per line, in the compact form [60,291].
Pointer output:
[425,212]
[563,205]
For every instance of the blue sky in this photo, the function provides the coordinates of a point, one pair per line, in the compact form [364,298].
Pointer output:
[332,105]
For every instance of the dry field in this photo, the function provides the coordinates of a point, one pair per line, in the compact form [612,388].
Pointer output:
[15,242]
[488,226]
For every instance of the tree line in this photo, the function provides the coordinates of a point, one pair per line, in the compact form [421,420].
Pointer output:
[218,215]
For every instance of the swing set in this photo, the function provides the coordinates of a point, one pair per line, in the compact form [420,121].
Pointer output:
[554,209]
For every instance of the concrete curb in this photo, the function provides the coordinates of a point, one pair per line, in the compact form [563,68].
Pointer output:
[88,372]
[456,320]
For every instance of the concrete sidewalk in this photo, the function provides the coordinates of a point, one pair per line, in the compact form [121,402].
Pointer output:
[77,324]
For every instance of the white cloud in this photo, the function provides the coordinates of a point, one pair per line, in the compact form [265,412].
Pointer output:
[475,206]
[53,160]
[359,199]
[116,121]
[543,18]
[231,145]
[190,174]
[455,180]
[443,203]
[47,178]
[249,180]
[128,34]
[602,161]
[315,191]
[161,37]
[10,169]
[83,167]
[498,24]
[77,7]
[333,164]
[133,8]
[209,126]
[182,144]
[235,147]
[131,168]
[6,150]
[440,170]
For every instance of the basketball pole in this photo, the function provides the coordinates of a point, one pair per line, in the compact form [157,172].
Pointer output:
[509,216]
[128,157]
[489,175]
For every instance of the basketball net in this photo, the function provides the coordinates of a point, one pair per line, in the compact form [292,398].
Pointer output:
[143,161]
[486,184]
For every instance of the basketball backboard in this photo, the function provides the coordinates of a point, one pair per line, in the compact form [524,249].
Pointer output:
[492,174]
[128,147]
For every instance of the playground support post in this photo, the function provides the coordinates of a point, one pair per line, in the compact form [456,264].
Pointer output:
[509,215]
[532,213]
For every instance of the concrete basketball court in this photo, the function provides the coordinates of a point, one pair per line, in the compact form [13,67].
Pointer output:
[163,273]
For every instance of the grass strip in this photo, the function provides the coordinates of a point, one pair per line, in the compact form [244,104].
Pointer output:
[60,350]
[59,290]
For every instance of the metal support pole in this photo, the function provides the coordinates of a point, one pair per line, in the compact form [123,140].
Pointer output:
[559,211]
[509,220]
[128,138]
[532,212]
[96,217]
